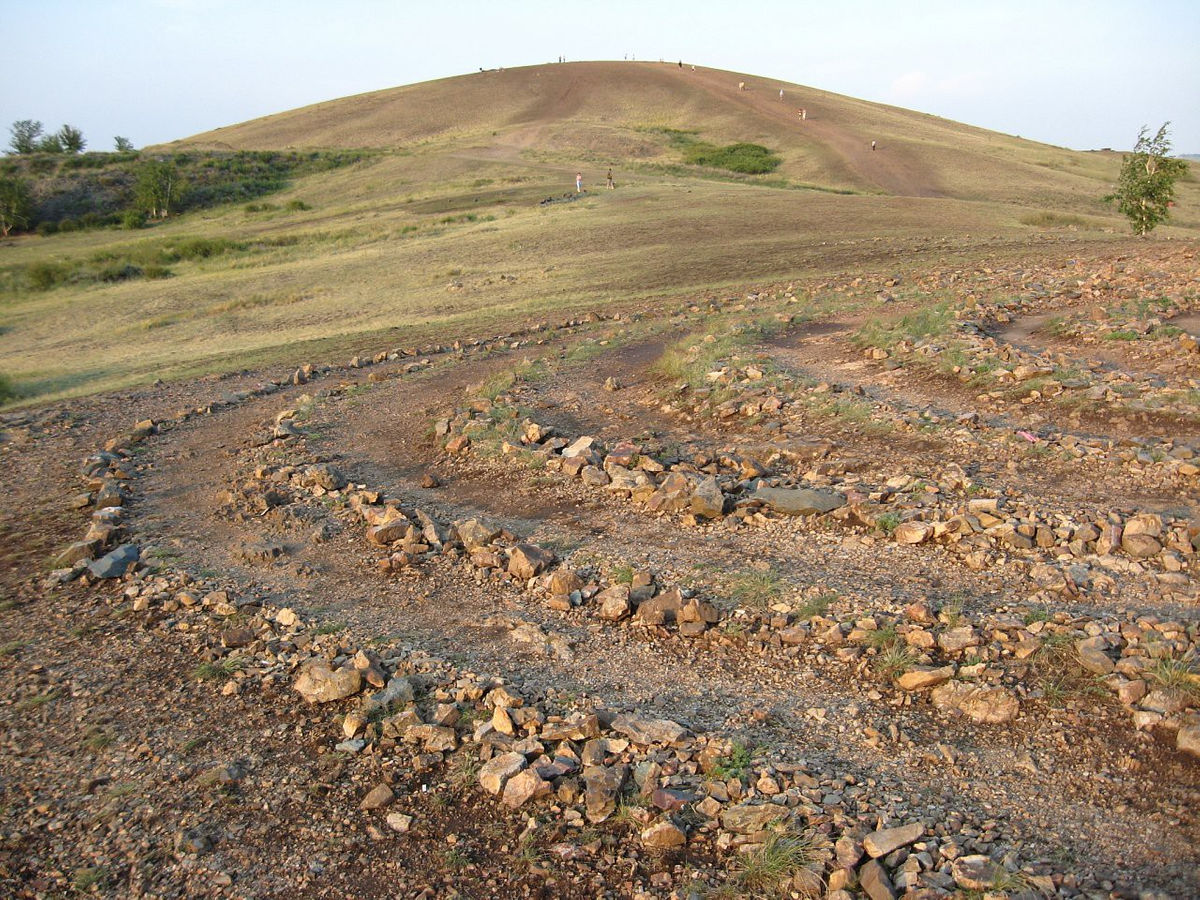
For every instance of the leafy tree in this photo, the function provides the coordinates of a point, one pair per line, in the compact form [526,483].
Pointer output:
[71,139]
[1146,185]
[159,187]
[50,144]
[123,144]
[16,205]
[25,135]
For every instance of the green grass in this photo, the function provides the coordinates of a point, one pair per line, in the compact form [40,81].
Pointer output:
[888,522]
[817,606]
[753,590]
[211,671]
[894,660]
[765,871]
[1047,219]
[1179,674]
[927,322]
[87,879]
[736,764]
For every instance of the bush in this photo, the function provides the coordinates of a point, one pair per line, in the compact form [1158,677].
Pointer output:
[66,225]
[45,229]
[119,272]
[746,159]
[41,276]
[133,219]
[297,205]
[156,272]
[7,391]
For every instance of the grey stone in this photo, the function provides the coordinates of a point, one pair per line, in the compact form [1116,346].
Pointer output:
[799,501]
[749,818]
[881,843]
[650,731]
[708,500]
[116,563]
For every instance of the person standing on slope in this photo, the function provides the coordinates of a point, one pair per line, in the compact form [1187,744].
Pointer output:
[579,182]
[610,181]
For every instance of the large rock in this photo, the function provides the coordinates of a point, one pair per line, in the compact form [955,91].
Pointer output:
[389,532]
[708,500]
[975,872]
[912,532]
[873,880]
[650,731]
[496,772]
[660,610]
[77,552]
[318,683]
[116,563]
[1092,656]
[527,560]
[1187,740]
[799,501]
[883,842]
[986,705]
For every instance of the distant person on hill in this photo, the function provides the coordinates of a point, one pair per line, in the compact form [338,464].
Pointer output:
[579,182]
[610,181]
[872,145]
[781,93]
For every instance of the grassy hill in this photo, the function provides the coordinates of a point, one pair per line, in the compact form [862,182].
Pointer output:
[443,232]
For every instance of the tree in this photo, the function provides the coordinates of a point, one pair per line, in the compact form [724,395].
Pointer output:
[25,135]
[71,139]
[16,205]
[50,144]
[159,187]
[1146,185]
[122,144]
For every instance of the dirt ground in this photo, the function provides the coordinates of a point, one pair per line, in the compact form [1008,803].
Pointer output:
[130,770]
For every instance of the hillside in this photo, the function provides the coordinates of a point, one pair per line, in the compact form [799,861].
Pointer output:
[614,112]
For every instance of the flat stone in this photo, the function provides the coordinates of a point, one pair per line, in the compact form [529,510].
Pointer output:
[614,603]
[881,843]
[922,678]
[77,552]
[318,683]
[912,532]
[663,836]
[603,785]
[378,797]
[496,772]
[1187,739]
[399,822]
[986,705]
[649,731]
[116,563]
[750,818]
[873,880]
[799,501]
[975,872]
[475,534]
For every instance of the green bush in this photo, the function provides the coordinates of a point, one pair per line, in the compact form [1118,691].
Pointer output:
[45,229]
[119,272]
[133,219]
[156,272]
[746,159]
[7,391]
[41,276]
[297,205]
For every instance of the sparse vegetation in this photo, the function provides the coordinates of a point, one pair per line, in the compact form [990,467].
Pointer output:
[764,872]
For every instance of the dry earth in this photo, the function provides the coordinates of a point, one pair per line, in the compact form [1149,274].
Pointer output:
[619,667]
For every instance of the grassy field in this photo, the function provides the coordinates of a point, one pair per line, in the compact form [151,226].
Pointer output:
[443,233]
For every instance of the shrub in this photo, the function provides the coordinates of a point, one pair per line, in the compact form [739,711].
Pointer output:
[297,205]
[133,219]
[156,272]
[119,272]
[7,391]
[45,229]
[41,276]
[747,159]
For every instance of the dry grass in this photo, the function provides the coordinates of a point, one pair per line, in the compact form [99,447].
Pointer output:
[369,260]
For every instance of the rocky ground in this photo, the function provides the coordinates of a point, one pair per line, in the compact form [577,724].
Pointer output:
[875,586]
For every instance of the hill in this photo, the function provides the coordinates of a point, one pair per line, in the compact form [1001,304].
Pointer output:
[616,113]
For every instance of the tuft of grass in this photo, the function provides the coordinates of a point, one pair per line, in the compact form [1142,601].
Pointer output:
[818,606]
[456,858]
[1046,219]
[754,590]
[736,764]
[928,322]
[10,647]
[37,701]
[765,871]
[1122,334]
[96,739]
[888,522]
[210,671]
[1178,674]
[894,660]
[464,772]
[87,879]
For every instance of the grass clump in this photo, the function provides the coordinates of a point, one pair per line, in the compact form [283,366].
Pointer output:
[736,764]
[929,322]
[894,660]
[1047,219]
[1178,674]
[766,871]
[223,668]
[754,590]
[888,523]
[87,879]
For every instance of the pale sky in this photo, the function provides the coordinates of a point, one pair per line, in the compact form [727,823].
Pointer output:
[1077,74]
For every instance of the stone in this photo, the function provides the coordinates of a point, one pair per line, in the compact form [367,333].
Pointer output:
[661,610]
[110,494]
[603,786]
[528,560]
[614,603]
[799,501]
[664,835]
[708,500]
[116,563]
[563,582]
[398,690]
[1140,546]
[389,532]
[750,818]
[77,552]
[956,640]
[475,534]
[496,772]
[1187,739]
[524,786]
[318,683]
[922,678]
[975,872]
[881,843]
[873,880]
[986,705]
[912,532]
[399,822]
[378,797]
[1092,656]
[650,731]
